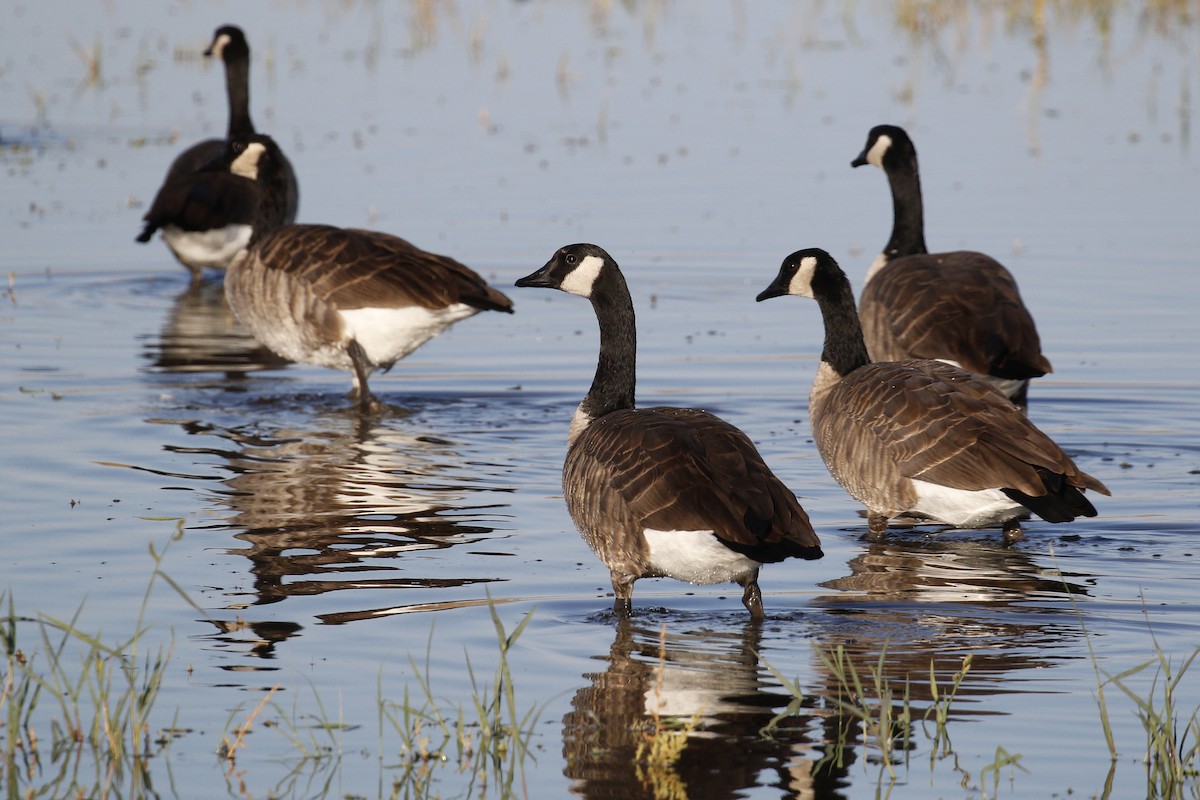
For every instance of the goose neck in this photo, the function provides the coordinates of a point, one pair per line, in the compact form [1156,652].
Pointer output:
[844,350]
[237,87]
[271,208]
[908,212]
[616,372]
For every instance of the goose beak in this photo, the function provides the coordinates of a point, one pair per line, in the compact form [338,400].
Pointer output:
[540,279]
[861,160]
[778,288]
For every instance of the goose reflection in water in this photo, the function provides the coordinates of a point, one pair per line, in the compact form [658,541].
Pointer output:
[201,334]
[910,609]
[948,570]
[710,682]
[353,508]
[349,509]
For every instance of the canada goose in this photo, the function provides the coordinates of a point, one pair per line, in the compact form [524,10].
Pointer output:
[920,436]
[205,214]
[340,297]
[663,492]
[960,307]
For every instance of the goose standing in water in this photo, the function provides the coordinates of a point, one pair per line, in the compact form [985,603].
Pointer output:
[960,307]
[342,298]
[205,214]
[923,437]
[663,492]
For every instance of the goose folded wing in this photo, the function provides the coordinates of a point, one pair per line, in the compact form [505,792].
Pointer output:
[940,424]
[961,305]
[380,268]
[683,469]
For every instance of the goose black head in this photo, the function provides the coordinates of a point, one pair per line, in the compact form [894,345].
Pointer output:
[228,42]
[573,269]
[811,272]
[885,144]
[248,156]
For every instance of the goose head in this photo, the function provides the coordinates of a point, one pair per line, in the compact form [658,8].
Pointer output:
[886,144]
[575,269]
[228,43]
[811,272]
[248,156]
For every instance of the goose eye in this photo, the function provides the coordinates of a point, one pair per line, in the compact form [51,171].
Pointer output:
[571,259]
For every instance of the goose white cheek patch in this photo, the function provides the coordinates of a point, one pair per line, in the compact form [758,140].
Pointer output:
[218,48]
[581,279]
[878,150]
[246,164]
[801,282]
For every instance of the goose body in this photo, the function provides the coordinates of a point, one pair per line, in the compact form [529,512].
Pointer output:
[922,437]
[342,298]
[663,491]
[961,307]
[204,213]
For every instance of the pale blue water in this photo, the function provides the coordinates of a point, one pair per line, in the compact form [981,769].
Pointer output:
[700,146]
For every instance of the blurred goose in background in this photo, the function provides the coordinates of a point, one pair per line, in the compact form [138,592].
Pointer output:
[921,437]
[340,297]
[204,215]
[663,492]
[959,307]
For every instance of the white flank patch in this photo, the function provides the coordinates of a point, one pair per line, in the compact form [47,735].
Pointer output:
[389,334]
[246,164]
[581,279]
[212,248]
[878,150]
[949,361]
[695,556]
[963,508]
[801,282]
[218,48]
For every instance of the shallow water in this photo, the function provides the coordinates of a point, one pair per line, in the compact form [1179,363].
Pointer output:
[337,558]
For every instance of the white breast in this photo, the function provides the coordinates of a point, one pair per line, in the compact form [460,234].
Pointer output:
[389,334]
[963,508]
[695,556]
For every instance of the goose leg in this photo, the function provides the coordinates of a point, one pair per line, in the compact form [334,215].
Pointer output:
[623,589]
[1012,531]
[366,402]
[752,595]
[876,526]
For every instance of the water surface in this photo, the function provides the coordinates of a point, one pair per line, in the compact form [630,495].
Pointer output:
[336,557]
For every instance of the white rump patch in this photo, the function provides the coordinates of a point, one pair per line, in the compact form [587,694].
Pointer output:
[878,150]
[389,334]
[695,556]
[246,164]
[581,279]
[213,248]
[218,48]
[801,283]
[963,508]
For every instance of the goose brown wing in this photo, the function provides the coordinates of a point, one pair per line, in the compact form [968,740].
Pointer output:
[682,469]
[940,424]
[355,269]
[962,305]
